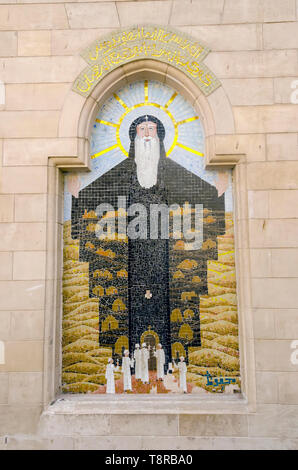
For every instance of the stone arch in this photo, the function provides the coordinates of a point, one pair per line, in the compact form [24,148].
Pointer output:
[78,112]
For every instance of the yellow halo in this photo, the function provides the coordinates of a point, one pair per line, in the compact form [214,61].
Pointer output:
[128,109]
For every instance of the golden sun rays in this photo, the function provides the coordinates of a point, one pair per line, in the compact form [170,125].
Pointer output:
[127,109]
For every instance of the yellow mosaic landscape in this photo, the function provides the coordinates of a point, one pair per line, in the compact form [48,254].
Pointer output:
[84,361]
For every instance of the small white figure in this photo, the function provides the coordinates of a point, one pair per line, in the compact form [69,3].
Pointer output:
[110,376]
[144,364]
[127,363]
[160,359]
[138,362]
[182,374]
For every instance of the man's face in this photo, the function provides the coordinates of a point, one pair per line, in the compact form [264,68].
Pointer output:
[147,129]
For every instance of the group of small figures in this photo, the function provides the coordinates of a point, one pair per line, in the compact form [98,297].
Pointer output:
[140,361]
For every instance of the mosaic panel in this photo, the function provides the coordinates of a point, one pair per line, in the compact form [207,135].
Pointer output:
[149,289]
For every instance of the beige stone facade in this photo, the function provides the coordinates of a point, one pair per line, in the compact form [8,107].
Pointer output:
[251,124]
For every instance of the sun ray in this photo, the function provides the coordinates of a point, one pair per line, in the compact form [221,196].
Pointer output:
[188,120]
[104,151]
[107,123]
[146,91]
[120,101]
[189,149]
[171,99]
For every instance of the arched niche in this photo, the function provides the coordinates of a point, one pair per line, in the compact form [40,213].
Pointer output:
[78,112]
[77,116]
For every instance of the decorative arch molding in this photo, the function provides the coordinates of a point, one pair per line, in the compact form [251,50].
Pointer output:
[212,104]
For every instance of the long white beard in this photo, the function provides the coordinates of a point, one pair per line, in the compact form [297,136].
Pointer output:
[147,157]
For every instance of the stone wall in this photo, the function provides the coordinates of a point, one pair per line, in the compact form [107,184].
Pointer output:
[254,54]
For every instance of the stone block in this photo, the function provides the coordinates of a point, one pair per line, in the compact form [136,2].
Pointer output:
[27,17]
[274,293]
[25,387]
[177,443]
[144,12]
[186,12]
[213,425]
[30,207]
[228,37]
[24,442]
[280,36]
[92,15]
[284,262]
[252,145]
[271,420]
[263,119]
[43,96]
[108,442]
[6,207]
[287,388]
[30,152]
[274,233]
[29,265]
[42,69]
[19,419]
[258,204]
[286,323]
[263,323]
[24,179]
[274,355]
[5,321]
[23,237]
[244,443]
[3,388]
[34,43]
[267,387]
[5,266]
[72,42]
[23,356]
[250,11]
[282,146]
[27,325]
[283,204]
[30,295]
[260,263]
[74,425]
[250,91]
[253,64]
[140,425]
[29,123]
[261,175]
[8,43]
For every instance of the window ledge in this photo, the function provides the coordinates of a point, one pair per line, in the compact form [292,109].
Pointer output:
[130,404]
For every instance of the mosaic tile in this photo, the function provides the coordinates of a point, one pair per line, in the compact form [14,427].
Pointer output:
[120,292]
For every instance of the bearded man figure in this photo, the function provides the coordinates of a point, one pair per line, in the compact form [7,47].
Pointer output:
[147,177]
[148,257]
